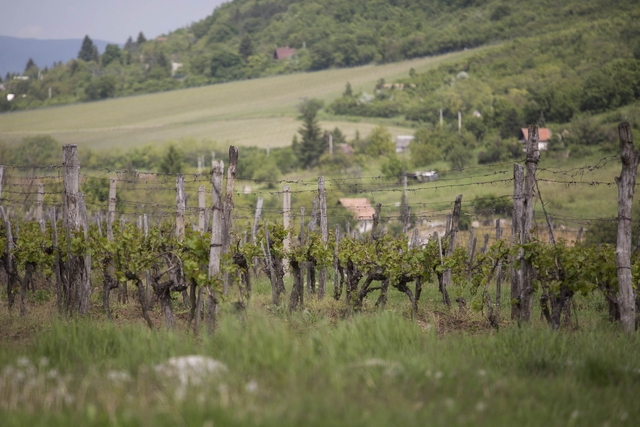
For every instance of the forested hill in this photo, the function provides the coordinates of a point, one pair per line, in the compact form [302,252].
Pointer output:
[239,39]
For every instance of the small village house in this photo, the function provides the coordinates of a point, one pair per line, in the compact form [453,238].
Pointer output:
[283,52]
[402,143]
[544,135]
[362,212]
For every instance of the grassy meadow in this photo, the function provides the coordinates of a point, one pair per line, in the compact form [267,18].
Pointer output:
[259,112]
[316,368]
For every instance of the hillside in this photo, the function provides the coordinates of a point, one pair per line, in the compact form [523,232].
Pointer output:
[239,39]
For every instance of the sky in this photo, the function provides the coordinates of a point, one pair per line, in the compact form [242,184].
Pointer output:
[109,20]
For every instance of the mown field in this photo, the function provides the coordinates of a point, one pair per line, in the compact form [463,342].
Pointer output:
[260,112]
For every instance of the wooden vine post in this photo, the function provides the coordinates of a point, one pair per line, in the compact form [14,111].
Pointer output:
[286,219]
[84,292]
[180,207]
[111,212]
[215,251]
[75,266]
[227,212]
[1,177]
[531,165]
[201,209]
[324,229]
[626,185]
[446,277]
[516,238]
[39,206]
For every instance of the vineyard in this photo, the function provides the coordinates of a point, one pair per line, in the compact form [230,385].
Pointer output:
[302,306]
[203,253]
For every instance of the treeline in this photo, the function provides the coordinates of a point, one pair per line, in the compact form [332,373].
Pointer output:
[239,39]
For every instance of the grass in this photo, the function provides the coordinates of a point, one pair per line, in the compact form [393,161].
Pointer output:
[256,112]
[314,368]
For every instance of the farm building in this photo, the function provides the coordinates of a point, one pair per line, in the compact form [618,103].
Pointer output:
[283,52]
[361,210]
[544,135]
[402,143]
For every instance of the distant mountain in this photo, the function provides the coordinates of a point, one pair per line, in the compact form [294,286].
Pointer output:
[15,52]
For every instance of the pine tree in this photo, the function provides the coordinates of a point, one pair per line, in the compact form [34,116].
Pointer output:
[86,51]
[129,44]
[141,38]
[30,64]
[313,144]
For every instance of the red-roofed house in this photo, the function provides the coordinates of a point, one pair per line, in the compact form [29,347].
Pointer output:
[361,210]
[544,135]
[283,52]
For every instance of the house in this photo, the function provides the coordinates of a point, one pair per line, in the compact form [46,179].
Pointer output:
[283,52]
[361,210]
[402,143]
[544,135]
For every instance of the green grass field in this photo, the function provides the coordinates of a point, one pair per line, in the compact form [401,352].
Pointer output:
[315,368]
[258,112]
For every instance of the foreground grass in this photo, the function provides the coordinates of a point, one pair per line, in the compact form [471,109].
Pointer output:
[313,368]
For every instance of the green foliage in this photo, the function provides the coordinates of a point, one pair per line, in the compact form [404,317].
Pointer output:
[37,151]
[112,53]
[86,52]
[379,142]
[101,88]
[172,162]
[394,167]
[312,144]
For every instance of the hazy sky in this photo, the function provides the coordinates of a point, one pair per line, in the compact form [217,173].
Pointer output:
[110,20]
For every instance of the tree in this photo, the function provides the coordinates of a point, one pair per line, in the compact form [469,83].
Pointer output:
[101,88]
[380,142]
[312,144]
[226,65]
[111,53]
[37,151]
[172,161]
[141,38]
[87,50]
[246,47]
[30,64]
[129,44]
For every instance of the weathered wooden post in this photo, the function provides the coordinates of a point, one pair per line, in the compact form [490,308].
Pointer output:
[39,205]
[337,288]
[227,212]
[499,268]
[302,241]
[446,277]
[256,219]
[1,177]
[324,229]
[201,209]
[72,223]
[517,238]
[310,265]
[286,215]
[216,246]
[84,291]
[111,213]
[180,206]
[626,185]
[531,164]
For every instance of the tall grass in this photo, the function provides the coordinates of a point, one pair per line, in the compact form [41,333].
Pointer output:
[379,369]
